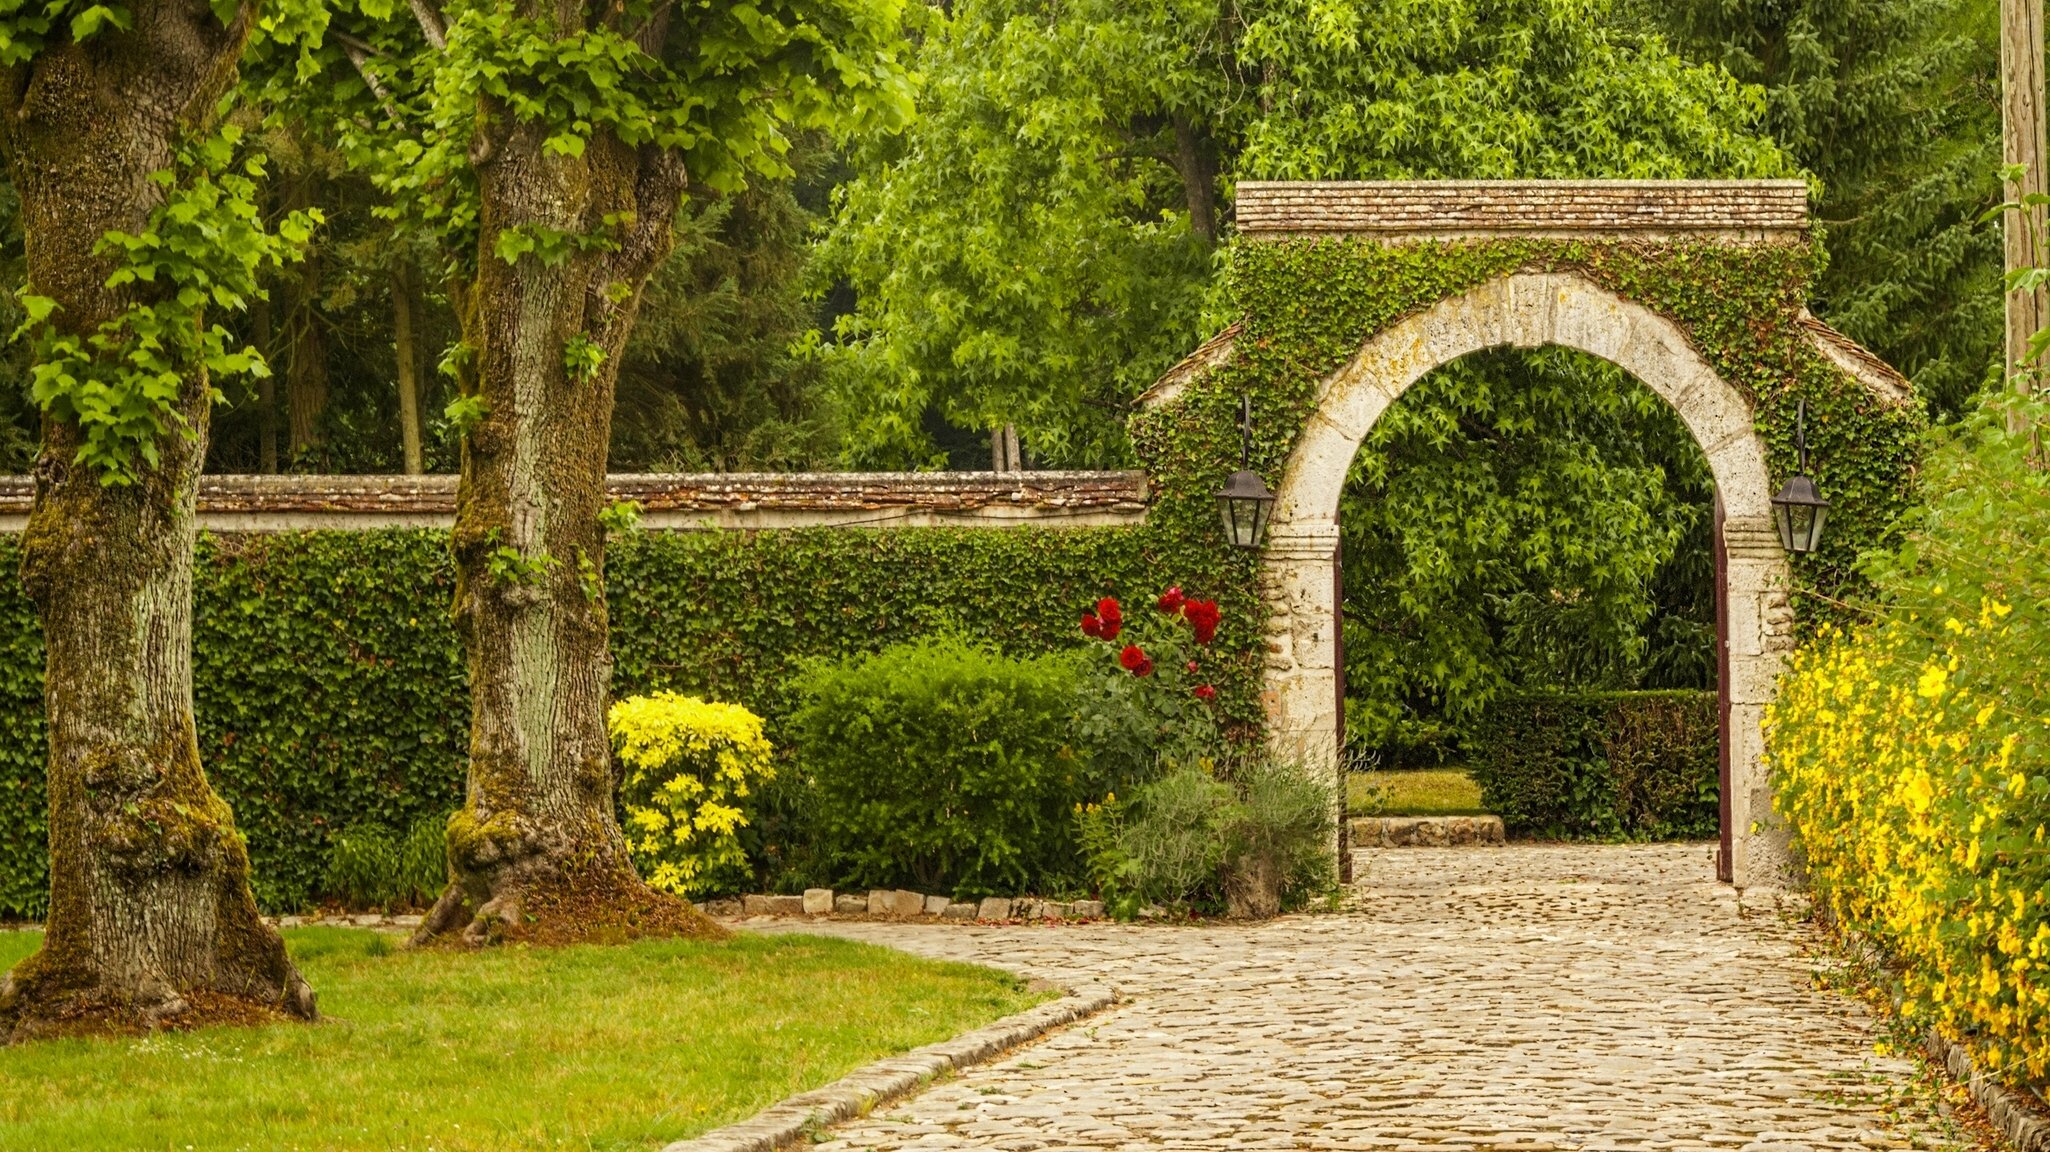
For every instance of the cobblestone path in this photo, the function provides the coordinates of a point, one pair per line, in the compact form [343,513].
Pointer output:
[1511,998]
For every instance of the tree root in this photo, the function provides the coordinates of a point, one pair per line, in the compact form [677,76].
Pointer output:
[561,910]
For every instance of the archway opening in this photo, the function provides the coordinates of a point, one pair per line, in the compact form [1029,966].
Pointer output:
[1527,600]
[1529,310]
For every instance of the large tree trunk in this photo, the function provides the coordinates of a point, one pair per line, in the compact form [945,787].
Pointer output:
[536,852]
[151,918]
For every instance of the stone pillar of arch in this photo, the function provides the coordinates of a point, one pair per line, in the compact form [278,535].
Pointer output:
[1529,310]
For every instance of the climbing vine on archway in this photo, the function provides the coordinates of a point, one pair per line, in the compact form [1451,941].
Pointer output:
[1307,305]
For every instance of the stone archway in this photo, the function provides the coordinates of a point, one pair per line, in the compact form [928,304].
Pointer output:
[1348,292]
[1530,310]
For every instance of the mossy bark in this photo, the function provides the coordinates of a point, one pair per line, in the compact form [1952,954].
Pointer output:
[536,851]
[151,917]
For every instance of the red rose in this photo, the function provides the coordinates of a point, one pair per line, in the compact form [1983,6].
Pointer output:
[1111,618]
[1205,692]
[1091,626]
[1171,601]
[1192,665]
[1202,615]
[1145,668]
[1132,657]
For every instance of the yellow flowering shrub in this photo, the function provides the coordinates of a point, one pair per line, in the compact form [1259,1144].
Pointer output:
[687,765]
[1909,756]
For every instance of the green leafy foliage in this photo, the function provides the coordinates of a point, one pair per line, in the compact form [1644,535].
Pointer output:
[1603,765]
[941,765]
[1204,827]
[369,867]
[120,382]
[1507,523]
[1039,246]
[330,686]
[1894,106]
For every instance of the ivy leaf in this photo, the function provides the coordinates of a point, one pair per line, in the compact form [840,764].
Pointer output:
[89,22]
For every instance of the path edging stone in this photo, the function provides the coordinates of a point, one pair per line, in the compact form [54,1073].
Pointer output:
[795,1119]
[2025,1124]
[2021,1120]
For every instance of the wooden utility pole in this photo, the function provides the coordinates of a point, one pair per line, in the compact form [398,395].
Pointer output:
[2021,109]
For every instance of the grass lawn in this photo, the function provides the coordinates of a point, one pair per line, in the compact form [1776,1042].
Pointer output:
[1438,792]
[585,1048]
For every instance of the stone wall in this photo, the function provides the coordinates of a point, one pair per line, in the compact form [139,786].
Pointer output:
[1742,211]
[675,501]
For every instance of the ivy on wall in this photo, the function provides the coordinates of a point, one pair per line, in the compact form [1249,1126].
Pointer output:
[329,678]
[1309,304]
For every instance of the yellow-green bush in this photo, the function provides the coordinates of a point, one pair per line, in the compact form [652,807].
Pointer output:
[687,766]
[1910,756]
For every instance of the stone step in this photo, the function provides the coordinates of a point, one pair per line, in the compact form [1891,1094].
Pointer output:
[1426,831]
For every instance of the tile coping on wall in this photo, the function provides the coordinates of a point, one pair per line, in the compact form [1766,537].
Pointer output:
[798,1118]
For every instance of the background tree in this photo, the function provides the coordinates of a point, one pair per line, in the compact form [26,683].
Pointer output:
[1894,106]
[551,146]
[1041,245]
[136,217]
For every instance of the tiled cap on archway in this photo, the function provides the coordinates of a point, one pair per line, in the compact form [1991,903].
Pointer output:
[1584,265]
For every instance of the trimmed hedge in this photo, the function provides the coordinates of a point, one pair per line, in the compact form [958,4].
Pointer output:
[329,681]
[1601,765]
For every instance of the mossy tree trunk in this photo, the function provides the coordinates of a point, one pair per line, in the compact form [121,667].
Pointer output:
[536,852]
[151,917]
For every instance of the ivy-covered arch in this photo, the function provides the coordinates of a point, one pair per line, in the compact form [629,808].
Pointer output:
[1349,293]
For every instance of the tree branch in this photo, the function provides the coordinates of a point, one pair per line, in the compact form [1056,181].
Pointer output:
[430,23]
[359,54]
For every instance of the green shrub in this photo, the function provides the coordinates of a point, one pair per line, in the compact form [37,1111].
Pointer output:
[423,859]
[943,765]
[1178,836]
[368,867]
[688,769]
[1283,836]
[363,866]
[1601,765]
[1255,843]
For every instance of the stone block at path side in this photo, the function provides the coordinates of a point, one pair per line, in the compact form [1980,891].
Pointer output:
[772,905]
[818,901]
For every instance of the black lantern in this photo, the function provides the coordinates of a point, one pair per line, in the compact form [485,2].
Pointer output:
[1245,502]
[1799,509]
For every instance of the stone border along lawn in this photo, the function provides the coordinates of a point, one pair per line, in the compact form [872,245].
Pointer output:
[899,904]
[624,1047]
[801,1118]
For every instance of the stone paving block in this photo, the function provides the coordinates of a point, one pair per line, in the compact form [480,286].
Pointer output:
[1516,999]
[818,901]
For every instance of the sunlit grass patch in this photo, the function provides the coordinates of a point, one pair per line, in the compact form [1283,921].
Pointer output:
[588,1047]
[1435,792]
